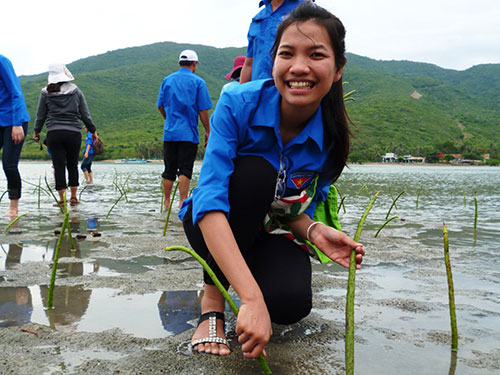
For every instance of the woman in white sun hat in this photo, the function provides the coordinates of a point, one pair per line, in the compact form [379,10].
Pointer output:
[62,107]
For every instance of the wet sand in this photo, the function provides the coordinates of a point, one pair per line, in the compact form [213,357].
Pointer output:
[313,346]
[402,321]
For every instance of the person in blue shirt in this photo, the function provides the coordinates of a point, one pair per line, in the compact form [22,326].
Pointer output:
[182,98]
[14,120]
[261,35]
[88,157]
[275,148]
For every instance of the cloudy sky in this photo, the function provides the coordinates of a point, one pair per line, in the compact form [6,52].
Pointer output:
[454,34]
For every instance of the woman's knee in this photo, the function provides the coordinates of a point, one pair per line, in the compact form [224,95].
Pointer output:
[289,306]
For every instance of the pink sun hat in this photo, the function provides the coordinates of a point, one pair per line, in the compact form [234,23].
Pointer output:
[237,64]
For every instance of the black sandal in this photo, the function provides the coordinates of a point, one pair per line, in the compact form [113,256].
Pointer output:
[73,201]
[212,329]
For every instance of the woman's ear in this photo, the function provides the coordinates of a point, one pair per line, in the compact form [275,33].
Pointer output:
[338,73]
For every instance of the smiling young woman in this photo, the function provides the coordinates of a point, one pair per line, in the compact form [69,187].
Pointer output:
[304,70]
[275,148]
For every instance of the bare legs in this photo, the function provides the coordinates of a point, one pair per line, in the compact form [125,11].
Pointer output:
[13,209]
[62,193]
[183,190]
[167,192]
[89,178]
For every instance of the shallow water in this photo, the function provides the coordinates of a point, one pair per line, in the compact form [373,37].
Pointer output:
[402,317]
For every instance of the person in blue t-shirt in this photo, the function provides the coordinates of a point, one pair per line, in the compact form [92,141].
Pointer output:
[88,157]
[261,35]
[182,98]
[14,119]
[275,148]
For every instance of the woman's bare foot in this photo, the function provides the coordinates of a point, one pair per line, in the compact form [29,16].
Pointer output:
[11,213]
[13,208]
[212,300]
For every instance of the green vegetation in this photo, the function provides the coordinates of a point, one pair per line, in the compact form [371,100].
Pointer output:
[457,110]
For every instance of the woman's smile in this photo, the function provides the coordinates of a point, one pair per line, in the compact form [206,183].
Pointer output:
[304,68]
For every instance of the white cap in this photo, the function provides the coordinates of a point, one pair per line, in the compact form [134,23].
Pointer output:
[188,55]
[59,73]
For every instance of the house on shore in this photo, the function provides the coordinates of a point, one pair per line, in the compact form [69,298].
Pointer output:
[389,157]
[413,159]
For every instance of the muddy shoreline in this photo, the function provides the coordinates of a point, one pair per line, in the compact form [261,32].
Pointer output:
[402,321]
[313,346]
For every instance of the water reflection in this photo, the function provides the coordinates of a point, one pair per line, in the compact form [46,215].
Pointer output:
[15,306]
[69,268]
[177,309]
[76,308]
[69,305]
[13,254]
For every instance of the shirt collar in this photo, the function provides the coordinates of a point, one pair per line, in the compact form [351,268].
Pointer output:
[269,116]
[314,130]
[268,2]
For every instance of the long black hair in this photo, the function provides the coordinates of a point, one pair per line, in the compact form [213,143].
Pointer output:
[335,118]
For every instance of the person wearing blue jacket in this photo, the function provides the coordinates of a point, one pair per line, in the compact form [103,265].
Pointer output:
[261,34]
[264,195]
[182,98]
[88,157]
[14,120]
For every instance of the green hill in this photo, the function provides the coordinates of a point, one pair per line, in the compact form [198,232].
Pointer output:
[400,106]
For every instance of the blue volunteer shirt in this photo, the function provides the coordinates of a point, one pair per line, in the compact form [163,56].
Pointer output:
[13,111]
[246,122]
[183,94]
[262,33]
[89,142]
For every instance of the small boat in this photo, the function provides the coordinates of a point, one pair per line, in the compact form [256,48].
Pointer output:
[134,161]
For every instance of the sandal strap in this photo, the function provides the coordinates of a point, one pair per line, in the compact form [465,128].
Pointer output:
[215,314]
[212,317]
[217,340]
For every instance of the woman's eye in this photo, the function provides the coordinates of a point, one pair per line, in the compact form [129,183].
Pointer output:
[317,55]
[284,53]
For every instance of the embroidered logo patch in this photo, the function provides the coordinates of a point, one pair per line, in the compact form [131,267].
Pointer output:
[301,179]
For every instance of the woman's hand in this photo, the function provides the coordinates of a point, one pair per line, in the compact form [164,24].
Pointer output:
[36,137]
[95,137]
[336,245]
[253,328]
[17,134]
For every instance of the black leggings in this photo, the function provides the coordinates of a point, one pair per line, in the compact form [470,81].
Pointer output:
[281,268]
[10,160]
[64,146]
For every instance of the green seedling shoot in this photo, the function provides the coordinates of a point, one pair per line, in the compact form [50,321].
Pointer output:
[451,293]
[351,282]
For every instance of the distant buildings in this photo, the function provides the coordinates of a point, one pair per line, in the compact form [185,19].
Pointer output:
[391,157]
[459,159]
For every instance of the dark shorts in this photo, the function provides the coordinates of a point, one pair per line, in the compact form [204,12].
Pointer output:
[178,158]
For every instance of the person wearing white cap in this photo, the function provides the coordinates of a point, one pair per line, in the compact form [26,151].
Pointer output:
[14,119]
[182,98]
[62,107]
